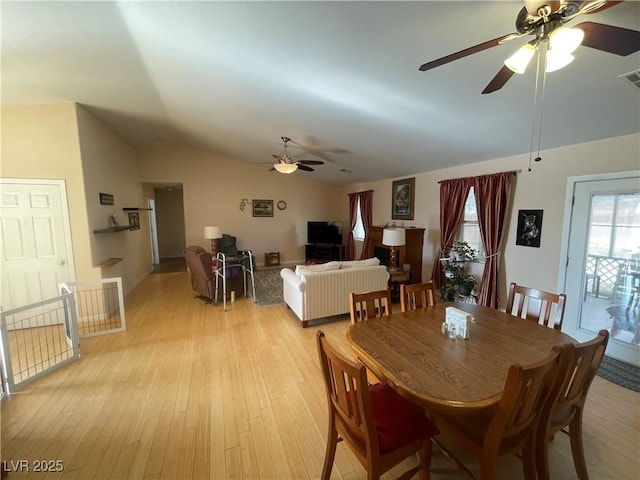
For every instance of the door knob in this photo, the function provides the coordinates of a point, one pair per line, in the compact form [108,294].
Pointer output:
[62,262]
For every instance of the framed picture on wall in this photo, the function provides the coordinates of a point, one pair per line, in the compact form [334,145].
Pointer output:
[529,228]
[134,221]
[262,208]
[403,199]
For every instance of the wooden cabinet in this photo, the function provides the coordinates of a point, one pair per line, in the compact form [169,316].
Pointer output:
[410,253]
[320,253]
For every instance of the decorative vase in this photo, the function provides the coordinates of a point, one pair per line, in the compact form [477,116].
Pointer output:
[464,290]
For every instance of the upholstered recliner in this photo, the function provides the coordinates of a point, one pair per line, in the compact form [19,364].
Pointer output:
[201,275]
[227,245]
[203,280]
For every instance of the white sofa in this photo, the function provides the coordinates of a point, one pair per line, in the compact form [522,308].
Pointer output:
[319,291]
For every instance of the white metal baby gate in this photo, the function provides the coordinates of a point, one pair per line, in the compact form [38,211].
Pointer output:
[43,336]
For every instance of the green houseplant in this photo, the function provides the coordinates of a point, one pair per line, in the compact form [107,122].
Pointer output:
[456,258]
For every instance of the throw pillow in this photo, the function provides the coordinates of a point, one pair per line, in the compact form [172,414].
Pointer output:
[321,267]
[369,262]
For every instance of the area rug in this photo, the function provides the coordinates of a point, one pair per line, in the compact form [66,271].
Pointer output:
[620,373]
[268,287]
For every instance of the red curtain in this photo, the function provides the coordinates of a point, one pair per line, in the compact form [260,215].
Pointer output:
[353,217]
[366,212]
[492,193]
[453,195]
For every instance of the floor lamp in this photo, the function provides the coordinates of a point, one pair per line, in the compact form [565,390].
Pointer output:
[212,233]
[393,237]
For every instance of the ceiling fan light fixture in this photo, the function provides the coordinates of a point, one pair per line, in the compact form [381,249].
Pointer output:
[518,62]
[285,167]
[557,60]
[566,39]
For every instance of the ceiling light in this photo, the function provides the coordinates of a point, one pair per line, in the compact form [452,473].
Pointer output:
[566,39]
[285,167]
[557,59]
[518,61]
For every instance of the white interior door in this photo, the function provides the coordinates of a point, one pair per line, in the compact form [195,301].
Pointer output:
[35,240]
[602,275]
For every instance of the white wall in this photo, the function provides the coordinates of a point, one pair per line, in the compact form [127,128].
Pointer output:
[213,187]
[541,189]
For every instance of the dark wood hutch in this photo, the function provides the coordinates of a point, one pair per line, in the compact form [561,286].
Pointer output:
[410,253]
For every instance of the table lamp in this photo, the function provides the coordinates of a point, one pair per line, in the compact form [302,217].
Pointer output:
[212,233]
[393,237]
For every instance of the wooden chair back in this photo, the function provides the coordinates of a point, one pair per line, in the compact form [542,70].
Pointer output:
[417,295]
[513,424]
[352,418]
[579,365]
[370,304]
[536,305]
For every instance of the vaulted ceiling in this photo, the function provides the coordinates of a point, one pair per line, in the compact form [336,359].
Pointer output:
[340,79]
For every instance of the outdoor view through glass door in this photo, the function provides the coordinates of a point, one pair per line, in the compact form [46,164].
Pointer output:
[603,276]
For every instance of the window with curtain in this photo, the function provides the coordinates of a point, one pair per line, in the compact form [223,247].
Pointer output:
[358,231]
[469,230]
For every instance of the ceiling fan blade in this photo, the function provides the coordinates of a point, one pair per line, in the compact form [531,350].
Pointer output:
[499,80]
[305,168]
[610,39]
[310,162]
[272,169]
[467,51]
[593,7]
[277,157]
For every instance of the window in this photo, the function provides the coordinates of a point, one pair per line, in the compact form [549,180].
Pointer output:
[615,225]
[469,230]
[358,230]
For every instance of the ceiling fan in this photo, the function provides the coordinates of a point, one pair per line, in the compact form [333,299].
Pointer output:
[545,19]
[287,165]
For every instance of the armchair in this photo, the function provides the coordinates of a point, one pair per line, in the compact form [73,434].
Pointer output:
[203,280]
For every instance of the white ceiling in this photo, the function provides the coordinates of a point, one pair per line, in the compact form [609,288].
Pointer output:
[340,78]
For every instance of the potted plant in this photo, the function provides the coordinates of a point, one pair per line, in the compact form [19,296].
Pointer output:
[455,260]
[460,251]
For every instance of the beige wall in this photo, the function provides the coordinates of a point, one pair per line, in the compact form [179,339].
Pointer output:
[541,189]
[110,166]
[64,141]
[213,187]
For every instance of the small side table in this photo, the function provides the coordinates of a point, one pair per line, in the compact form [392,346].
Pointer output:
[271,259]
[396,278]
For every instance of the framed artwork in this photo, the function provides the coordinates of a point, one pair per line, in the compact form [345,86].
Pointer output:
[402,199]
[106,199]
[262,208]
[529,228]
[134,221]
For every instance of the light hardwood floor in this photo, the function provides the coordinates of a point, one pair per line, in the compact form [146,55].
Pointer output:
[192,392]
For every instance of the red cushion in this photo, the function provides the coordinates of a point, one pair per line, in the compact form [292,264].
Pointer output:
[397,420]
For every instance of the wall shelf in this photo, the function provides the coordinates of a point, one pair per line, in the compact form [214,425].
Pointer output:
[134,209]
[112,229]
[108,262]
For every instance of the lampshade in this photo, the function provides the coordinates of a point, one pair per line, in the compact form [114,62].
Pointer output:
[393,237]
[557,59]
[285,167]
[566,39]
[518,61]
[212,232]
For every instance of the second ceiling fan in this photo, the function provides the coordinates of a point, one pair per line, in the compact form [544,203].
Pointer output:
[544,19]
[288,165]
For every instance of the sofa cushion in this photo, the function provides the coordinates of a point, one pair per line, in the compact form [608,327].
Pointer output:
[369,262]
[321,267]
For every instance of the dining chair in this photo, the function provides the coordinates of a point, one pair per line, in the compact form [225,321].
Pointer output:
[370,305]
[417,295]
[380,427]
[509,427]
[536,305]
[578,366]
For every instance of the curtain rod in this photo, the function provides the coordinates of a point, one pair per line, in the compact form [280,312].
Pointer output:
[478,176]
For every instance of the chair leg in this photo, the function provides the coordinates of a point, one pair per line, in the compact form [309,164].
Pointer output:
[542,457]
[529,461]
[424,457]
[330,452]
[575,436]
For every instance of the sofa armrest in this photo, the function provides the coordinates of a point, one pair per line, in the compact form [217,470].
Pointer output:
[292,280]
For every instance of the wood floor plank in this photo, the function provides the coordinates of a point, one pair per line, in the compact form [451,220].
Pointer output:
[191,391]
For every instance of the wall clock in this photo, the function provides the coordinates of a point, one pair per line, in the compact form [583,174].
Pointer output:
[281,204]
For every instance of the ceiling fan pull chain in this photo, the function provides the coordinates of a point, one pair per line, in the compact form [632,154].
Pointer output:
[535,103]
[544,85]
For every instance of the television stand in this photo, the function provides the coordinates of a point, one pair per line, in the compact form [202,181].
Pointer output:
[321,253]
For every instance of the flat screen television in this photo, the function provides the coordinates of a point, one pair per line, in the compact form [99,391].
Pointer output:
[329,233]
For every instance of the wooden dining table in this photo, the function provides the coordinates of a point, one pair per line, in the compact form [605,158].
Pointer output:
[409,352]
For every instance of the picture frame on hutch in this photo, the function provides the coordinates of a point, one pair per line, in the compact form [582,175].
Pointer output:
[403,199]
